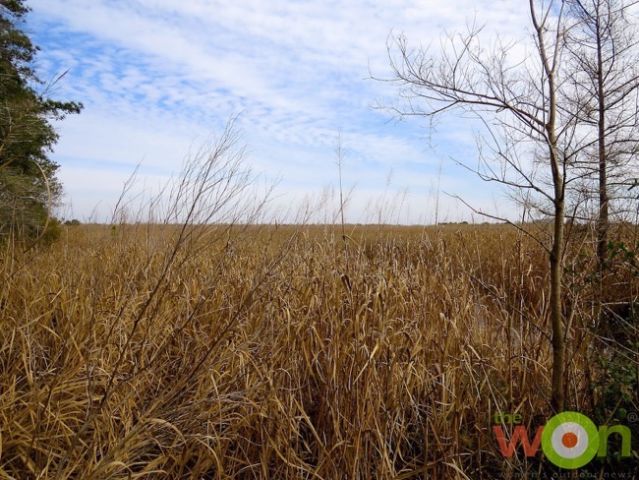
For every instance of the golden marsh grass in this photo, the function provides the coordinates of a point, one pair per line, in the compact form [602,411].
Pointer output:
[277,352]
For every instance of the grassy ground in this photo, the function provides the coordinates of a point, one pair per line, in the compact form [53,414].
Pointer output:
[285,352]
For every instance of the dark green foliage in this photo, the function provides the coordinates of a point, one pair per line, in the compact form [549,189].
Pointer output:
[616,393]
[28,183]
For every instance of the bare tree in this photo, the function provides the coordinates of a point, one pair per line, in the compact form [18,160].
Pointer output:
[528,141]
[605,75]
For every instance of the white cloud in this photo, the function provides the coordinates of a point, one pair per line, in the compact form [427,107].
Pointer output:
[158,76]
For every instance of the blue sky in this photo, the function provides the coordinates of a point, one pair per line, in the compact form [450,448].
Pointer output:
[160,77]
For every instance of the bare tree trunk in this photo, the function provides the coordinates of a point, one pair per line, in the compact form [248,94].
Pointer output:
[556,267]
[550,65]
[556,314]
[602,221]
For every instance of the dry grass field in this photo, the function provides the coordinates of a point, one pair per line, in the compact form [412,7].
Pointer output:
[285,352]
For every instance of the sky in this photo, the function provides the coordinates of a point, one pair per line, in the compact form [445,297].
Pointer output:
[160,78]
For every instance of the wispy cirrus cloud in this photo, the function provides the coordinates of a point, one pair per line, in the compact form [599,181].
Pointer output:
[159,76]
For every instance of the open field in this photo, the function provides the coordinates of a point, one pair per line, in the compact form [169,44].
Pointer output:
[286,352]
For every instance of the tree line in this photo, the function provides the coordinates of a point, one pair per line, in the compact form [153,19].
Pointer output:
[29,187]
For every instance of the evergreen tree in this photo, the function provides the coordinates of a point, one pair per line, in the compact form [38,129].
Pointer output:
[28,182]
